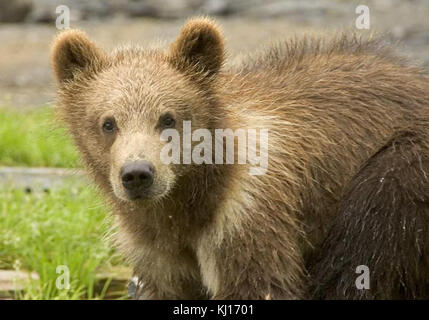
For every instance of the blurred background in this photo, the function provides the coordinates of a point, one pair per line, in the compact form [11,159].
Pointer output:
[28,27]
[49,215]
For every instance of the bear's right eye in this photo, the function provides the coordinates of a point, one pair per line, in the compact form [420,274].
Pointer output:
[109,126]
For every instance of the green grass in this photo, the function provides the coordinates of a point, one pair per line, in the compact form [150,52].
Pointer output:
[41,231]
[33,138]
[65,227]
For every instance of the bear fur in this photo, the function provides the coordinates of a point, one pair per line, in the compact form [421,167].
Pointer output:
[347,182]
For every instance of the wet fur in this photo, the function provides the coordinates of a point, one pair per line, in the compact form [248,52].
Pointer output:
[342,115]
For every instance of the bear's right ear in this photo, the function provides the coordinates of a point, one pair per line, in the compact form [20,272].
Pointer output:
[72,53]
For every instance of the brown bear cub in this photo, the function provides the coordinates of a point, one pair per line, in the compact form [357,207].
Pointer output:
[347,181]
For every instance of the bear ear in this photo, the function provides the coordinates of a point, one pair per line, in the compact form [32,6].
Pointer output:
[200,45]
[72,53]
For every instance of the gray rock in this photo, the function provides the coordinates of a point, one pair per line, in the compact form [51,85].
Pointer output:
[218,7]
[14,10]
[164,8]
[45,10]
[12,281]
[38,179]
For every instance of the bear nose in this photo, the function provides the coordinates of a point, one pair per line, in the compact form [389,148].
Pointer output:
[136,175]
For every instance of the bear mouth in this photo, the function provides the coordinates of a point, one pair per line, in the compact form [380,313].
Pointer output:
[138,196]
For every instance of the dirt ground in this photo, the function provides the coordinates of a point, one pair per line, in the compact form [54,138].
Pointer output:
[26,80]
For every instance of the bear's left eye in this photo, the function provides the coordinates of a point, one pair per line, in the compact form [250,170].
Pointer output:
[168,121]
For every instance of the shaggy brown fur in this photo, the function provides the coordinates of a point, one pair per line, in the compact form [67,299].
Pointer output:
[347,182]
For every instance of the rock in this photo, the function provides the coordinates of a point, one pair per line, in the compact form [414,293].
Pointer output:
[12,281]
[45,10]
[164,8]
[14,10]
[218,7]
[113,281]
[38,179]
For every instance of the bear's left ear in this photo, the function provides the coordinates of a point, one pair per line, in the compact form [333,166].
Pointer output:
[199,47]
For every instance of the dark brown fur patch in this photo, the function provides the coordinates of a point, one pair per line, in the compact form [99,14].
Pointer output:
[382,223]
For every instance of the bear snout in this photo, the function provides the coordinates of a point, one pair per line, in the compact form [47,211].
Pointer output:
[137,177]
